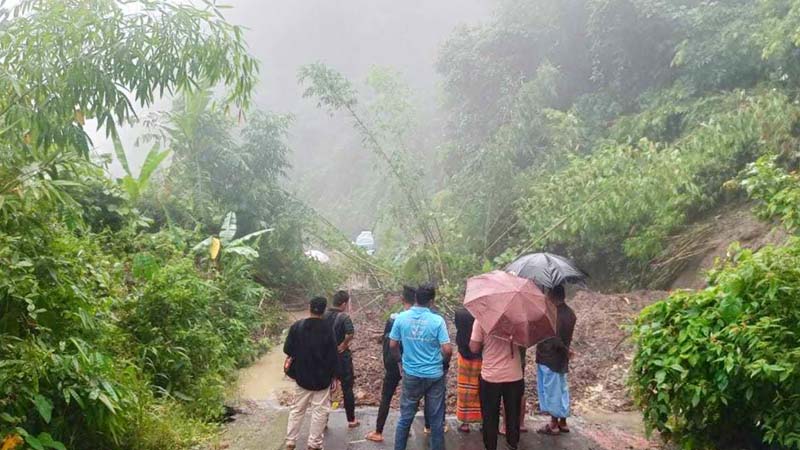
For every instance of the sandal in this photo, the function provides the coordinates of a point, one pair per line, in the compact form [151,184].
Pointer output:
[563,428]
[374,436]
[353,424]
[548,430]
[464,428]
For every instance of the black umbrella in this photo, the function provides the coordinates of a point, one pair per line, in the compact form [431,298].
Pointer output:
[547,270]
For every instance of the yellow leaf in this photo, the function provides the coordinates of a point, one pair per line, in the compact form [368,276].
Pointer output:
[213,249]
[80,117]
[27,139]
[11,442]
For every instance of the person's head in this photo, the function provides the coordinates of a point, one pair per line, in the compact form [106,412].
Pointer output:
[425,294]
[317,306]
[340,299]
[409,296]
[557,295]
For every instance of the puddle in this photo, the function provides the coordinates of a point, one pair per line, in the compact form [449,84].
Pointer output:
[264,380]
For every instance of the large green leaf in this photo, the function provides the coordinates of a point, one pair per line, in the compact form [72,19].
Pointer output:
[243,250]
[250,236]
[228,230]
[44,407]
[119,150]
[151,163]
[47,441]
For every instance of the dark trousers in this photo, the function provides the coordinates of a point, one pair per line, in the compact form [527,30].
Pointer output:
[491,394]
[391,379]
[345,374]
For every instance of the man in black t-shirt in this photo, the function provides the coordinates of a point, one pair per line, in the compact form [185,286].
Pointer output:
[343,329]
[311,360]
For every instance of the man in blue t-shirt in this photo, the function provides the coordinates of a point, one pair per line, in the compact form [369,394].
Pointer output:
[426,350]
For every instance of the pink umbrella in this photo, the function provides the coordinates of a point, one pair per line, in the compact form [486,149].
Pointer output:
[510,307]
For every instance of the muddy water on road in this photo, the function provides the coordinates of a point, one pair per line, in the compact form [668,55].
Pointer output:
[264,380]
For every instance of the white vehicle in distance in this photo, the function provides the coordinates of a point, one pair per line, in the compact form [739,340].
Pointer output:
[366,241]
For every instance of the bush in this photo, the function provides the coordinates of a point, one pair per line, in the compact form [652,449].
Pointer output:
[616,208]
[722,366]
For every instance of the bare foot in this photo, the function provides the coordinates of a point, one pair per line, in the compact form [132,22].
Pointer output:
[374,436]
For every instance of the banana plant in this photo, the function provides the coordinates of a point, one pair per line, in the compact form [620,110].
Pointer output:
[225,242]
[135,186]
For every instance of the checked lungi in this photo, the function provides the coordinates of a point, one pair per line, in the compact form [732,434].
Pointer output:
[468,401]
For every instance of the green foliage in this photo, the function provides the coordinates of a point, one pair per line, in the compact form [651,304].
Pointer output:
[720,366]
[86,361]
[190,332]
[777,192]
[134,187]
[64,62]
[618,205]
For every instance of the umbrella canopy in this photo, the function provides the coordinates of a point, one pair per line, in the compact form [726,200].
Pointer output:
[547,270]
[510,307]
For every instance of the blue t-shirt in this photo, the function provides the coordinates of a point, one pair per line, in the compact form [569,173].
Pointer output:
[422,334]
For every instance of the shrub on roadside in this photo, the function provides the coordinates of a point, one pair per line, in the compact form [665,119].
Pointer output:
[721,366]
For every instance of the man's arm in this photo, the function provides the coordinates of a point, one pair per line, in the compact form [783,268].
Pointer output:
[447,353]
[349,332]
[475,347]
[394,342]
[288,346]
[444,342]
[476,339]
[394,349]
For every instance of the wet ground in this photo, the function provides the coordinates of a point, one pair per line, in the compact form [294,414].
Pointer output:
[263,428]
[261,423]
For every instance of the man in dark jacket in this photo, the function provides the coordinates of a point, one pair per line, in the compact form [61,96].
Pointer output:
[311,360]
[343,329]
[552,365]
[391,377]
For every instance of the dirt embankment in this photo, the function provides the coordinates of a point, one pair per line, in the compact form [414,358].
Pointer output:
[598,372]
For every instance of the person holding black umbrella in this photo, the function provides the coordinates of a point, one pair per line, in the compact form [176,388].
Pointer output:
[552,364]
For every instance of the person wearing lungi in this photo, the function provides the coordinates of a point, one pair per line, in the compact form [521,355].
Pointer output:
[468,401]
[552,365]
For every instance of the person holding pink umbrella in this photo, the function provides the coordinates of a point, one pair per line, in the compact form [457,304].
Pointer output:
[510,313]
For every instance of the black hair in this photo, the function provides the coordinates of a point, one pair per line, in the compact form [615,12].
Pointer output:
[557,293]
[317,305]
[409,294]
[340,298]
[425,294]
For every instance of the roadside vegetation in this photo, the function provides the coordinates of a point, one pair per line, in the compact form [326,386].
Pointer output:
[120,323]
[598,129]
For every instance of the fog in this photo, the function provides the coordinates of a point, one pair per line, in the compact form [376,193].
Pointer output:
[350,36]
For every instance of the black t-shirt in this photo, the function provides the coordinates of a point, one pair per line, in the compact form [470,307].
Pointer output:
[464,321]
[389,363]
[312,345]
[341,327]
[554,352]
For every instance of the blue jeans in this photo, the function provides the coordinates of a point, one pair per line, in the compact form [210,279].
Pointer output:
[414,389]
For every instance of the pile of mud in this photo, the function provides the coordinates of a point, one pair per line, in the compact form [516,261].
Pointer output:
[598,372]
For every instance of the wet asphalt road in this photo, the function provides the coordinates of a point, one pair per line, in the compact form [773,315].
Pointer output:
[339,437]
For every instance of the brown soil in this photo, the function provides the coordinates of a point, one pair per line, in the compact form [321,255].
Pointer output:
[598,372]
[696,250]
